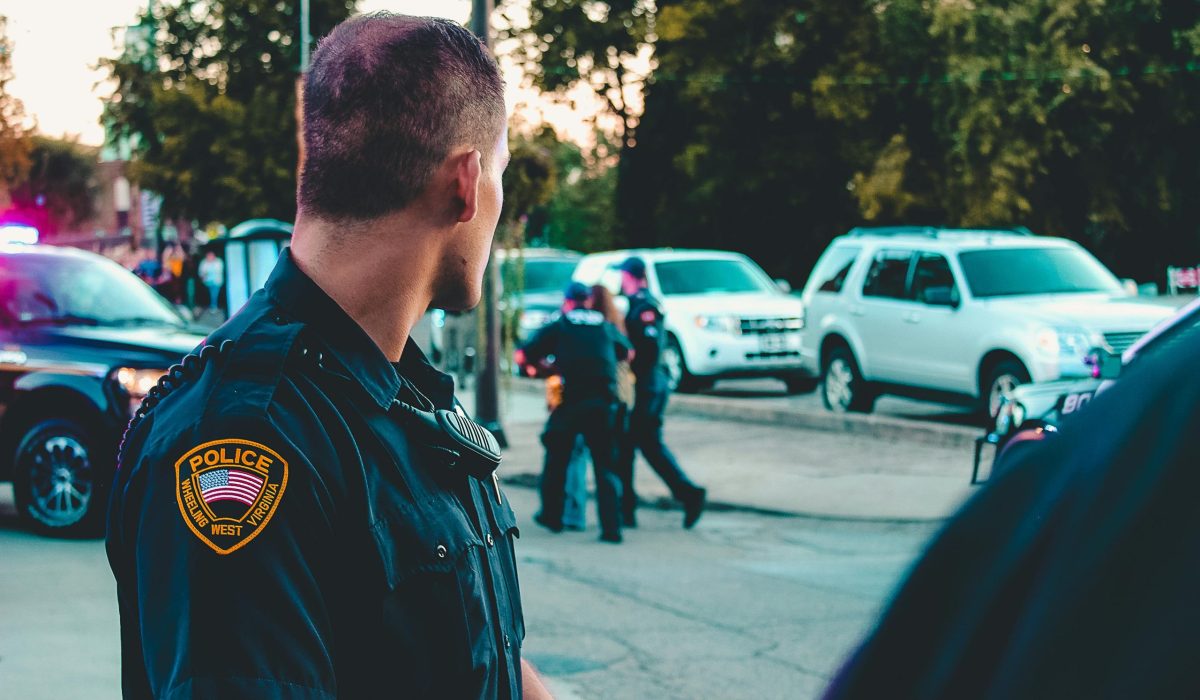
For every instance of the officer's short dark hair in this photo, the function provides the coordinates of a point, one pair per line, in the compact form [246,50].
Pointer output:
[385,99]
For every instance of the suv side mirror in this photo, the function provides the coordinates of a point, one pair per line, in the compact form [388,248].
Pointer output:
[940,296]
[784,285]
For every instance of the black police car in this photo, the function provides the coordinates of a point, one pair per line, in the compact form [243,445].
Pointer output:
[82,340]
[1034,411]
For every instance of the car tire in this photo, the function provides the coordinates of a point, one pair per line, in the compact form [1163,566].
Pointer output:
[800,384]
[1005,376]
[843,389]
[678,377]
[60,480]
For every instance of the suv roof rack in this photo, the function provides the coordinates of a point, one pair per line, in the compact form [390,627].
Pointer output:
[933,231]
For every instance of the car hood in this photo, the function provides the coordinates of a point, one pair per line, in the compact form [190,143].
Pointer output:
[171,343]
[753,305]
[543,301]
[1095,312]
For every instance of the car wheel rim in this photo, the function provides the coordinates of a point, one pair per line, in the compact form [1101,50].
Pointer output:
[839,380]
[61,480]
[1002,388]
[673,364]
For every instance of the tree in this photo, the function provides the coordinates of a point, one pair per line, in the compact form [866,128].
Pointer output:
[14,137]
[59,190]
[208,100]
[603,45]
[582,213]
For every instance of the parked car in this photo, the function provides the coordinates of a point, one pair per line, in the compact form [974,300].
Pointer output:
[82,341]
[959,315]
[532,283]
[1034,412]
[725,317]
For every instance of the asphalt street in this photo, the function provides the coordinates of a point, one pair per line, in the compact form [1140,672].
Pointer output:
[744,606]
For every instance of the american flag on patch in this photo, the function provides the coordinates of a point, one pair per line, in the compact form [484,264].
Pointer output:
[229,485]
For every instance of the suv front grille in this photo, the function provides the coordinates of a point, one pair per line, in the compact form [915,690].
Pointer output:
[764,326]
[1120,342]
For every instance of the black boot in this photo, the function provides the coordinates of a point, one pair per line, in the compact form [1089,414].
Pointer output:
[693,507]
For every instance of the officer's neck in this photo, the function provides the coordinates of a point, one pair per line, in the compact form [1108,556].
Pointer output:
[384,288]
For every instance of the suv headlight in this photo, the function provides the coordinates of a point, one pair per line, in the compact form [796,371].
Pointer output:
[720,324]
[137,382]
[1073,343]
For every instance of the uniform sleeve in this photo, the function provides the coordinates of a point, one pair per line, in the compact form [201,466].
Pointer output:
[218,545]
[541,344]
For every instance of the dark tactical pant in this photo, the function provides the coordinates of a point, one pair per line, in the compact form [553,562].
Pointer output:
[596,422]
[645,435]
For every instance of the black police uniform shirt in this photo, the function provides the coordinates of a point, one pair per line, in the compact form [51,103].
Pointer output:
[644,322]
[1073,574]
[586,348]
[278,531]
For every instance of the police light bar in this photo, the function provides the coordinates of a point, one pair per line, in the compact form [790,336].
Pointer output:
[18,233]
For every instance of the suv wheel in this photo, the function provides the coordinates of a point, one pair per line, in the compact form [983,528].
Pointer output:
[1000,382]
[843,388]
[678,377]
[56,482]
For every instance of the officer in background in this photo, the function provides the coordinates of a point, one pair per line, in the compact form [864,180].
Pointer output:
[302,509]
[644,323]
[586,349]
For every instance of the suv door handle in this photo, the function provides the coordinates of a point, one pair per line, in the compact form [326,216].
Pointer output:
[857,310]
[912,316]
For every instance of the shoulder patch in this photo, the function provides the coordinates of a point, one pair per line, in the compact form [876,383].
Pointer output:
[228,490]
[649,316]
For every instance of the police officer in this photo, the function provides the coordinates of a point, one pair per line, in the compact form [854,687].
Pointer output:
[586,349]
[644,323]
[302,508]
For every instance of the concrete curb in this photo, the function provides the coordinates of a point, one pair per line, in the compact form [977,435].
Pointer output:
[745,410]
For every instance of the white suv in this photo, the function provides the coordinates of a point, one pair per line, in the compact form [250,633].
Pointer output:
[953,314]
[725,317]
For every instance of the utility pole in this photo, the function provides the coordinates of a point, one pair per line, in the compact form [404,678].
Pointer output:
[305,36]
[487,381]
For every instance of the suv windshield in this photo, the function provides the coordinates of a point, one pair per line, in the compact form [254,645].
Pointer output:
[710,277]
[69,290]
[539,275]
[1027,271]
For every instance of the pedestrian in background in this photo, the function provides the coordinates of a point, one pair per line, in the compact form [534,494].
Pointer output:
[644,323]
[212,275]
[586,349]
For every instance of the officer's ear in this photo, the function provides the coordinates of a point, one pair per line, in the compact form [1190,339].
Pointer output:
[468,170]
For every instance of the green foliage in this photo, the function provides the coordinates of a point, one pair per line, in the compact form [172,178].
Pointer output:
[591,42]
[771,126]
[581,215]
[59,189]
[14,138]
[209,103]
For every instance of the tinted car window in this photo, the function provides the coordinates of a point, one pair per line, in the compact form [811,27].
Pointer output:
[833,268]
[1026,271]
[53,288]
[888,276]
[538,275]
[710,277]
[932,271]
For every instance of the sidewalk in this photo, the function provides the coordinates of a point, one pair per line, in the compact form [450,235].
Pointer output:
[775,461]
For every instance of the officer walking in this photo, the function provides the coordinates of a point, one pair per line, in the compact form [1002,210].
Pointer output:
[644,323]
[302,508]
[586,349]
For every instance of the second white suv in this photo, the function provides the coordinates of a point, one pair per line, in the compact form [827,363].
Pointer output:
[954,314]
[725,317]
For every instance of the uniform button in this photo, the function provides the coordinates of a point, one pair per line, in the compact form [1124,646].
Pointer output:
[491,542]
[441,551]
[507,642]
[280,319]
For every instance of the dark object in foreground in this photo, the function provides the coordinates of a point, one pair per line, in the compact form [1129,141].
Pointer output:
[1072,574]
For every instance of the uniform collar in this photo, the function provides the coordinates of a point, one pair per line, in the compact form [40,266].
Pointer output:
[343,338]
